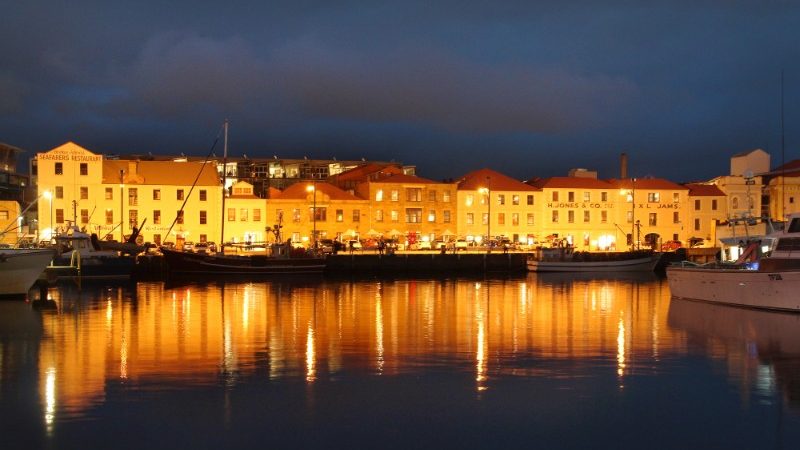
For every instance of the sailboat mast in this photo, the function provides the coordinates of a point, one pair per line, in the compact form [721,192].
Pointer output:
[224,188]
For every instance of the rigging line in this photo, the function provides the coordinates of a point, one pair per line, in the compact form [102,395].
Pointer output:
[202,167]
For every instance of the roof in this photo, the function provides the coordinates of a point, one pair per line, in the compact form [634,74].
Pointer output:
[704,190]
[362,172]
[404,179]
[790,169]
[299,191]
[646,183]
[496,181]
[161,172]
[569,182]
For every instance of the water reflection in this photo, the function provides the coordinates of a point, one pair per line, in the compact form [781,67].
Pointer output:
[581,335]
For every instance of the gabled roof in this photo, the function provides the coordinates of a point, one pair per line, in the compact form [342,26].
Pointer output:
[496,181]
[299,191]
[646,183]
[790,169]
[363,172]
[404,179]
[569,182]
[167,173]
[704,190]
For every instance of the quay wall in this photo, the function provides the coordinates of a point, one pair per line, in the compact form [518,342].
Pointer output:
[427,262]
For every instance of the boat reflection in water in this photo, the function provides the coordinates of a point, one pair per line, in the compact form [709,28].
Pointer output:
[304,364]
[761,348]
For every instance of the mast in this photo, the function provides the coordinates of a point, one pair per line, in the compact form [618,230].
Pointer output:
[224,188]
[783,159]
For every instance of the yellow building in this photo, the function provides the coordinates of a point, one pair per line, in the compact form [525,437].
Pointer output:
[410,208]
[493,205]
[651,211]
[9,229]
[708,206]
[339,215]
[245,219]
[110,197]
[783,189]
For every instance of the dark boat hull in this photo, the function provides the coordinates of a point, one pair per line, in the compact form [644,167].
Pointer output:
[179,262]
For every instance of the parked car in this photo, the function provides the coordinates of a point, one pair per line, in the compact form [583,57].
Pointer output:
[424,245]
[325,245]
[671,246]
[354,244]
[168,244]
[201,247]
[461,244]
[188,246]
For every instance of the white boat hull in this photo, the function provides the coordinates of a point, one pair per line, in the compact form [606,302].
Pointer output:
[749,288]
[645,264]
[19,269]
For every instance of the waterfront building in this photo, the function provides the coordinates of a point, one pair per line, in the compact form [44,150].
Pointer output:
[110,197]
[783,190]
[244,216]
[744,185]
[409,207]
[350,179]
[10,231]
[492,205]
[652,210]
[707,207]
[303,208]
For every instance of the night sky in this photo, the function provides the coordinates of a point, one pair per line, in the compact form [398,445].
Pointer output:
[528,88]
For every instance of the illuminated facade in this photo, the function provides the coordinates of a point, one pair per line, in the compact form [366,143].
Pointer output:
[244,217]
[9,230]
[708,206]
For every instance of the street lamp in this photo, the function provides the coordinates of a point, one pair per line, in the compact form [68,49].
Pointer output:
[49,196]
[488,192]
[313,188]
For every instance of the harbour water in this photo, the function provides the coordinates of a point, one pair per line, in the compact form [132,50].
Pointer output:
[535,361]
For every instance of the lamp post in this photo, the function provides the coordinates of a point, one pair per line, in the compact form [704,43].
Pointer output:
[313,189]
[488,192]
[121,206]
[49,196]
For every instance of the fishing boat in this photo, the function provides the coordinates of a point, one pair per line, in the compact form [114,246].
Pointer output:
[564,259]
[80,255]
[769,282]
[20,268]
[281,259]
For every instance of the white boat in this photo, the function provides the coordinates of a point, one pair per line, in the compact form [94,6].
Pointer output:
[772,282]
[81,255]
[565,260]
[19,269]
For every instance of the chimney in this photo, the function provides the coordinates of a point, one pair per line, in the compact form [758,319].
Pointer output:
[623,166]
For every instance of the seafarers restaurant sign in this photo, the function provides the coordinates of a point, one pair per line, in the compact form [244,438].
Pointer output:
[73,154]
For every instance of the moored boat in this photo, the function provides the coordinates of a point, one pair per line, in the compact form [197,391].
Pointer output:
[280,261]
[565,260]
[81,256]
[19,269]
[771,282]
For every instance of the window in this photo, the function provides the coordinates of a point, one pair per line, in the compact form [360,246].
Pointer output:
[432,215]
[133,218]
[515,219]
[604,196]
[109,193]
[555,217]
[3,215]
[501,218]
[470,218]
[84,193]
[321,214]
[603,216]
[203,218]
[340,215]
[133,197]
[587,196]
[59,191]
[232,215]
[84,216]
[395,195]
[530,219]
[242,214]
[203,238]
[653,219]
[570,196]
[180,194]
[676,198]
[446,196]
[555,196]
[697,205]
[676,218]
[203,195]
[109,217]
[257,215]
[156,194]
[530,199]
[570,216]
[586,217]
[696,224]
[395,216]
[59,168]
[501,199]
[156,217]
[84,169]
[379,195]
[413,215]
[356,215]
[713,204]
[735,202]
[515,199]
[295,215]
[629,216]
[179,220]
[484,218]
[379,215]
[446,216]
[469,200]
[59,215]
[653,197]
[157,239]
[413,195]
[431,196]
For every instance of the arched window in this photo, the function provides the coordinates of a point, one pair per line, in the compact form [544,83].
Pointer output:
[735,203]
